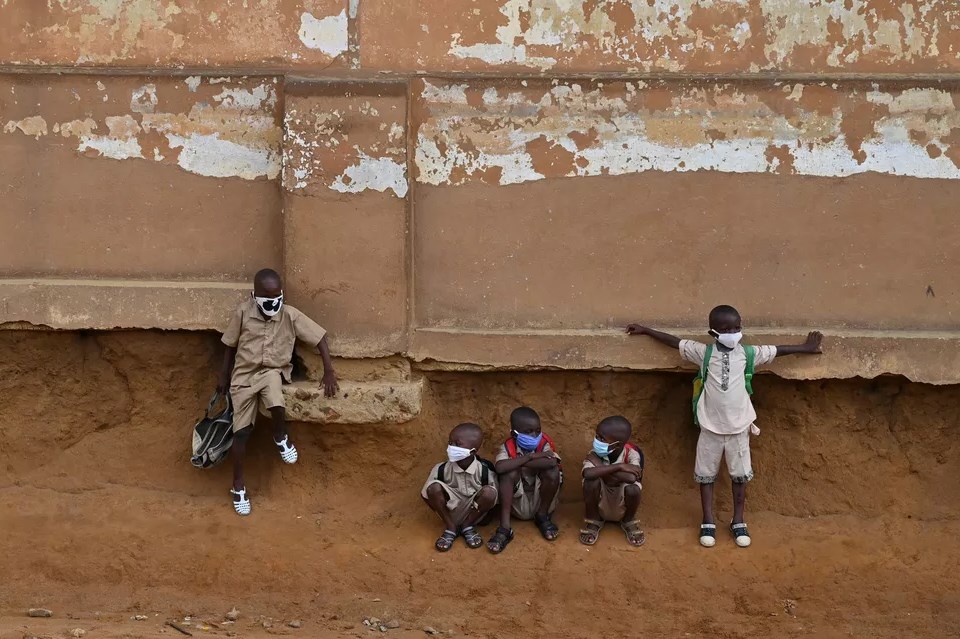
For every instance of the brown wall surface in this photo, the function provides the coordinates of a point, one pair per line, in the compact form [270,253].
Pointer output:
[497,183]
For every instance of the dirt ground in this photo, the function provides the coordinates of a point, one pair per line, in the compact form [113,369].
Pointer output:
[854,510]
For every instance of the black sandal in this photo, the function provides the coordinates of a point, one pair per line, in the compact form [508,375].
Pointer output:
[445,542]
[472,537]
[546,526]
[498,543]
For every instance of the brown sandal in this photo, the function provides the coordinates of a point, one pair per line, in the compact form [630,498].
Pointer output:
[590,532]
[635,535]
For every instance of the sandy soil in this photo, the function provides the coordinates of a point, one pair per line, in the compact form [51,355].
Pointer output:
[854,510]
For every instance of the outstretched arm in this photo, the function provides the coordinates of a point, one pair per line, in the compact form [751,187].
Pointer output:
[811,346]
[664,338]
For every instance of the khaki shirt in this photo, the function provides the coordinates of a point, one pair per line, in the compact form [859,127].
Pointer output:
[528,477]
[267,342]
[632,456]
[725,407]
[462,483]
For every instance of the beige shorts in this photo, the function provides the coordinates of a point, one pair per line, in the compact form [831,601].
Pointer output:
[526,501]
[264,392]
[459,504]
[613,500]
[711,447]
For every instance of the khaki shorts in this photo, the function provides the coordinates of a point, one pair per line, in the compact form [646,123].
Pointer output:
[264,392]
[459,504]
[526,501]
[711,447]
[613,502]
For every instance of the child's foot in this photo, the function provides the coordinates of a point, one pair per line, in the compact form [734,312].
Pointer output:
[240,502]
[740,534]
[288,452]
[472,537]
[546,526]
[708,535]
[590,531]
[445,541]
[635,536]
[500,539]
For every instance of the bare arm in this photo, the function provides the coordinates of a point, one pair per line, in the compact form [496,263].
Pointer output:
[664,338]
[226,370]
[544,460]
[330,385]
[810,347]
[622,473]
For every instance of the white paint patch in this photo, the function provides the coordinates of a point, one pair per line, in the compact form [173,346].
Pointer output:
[328,35]
[113,148]
[210,156]
[34,126]
[253,99]
[144,99]
[378,174]
[192,82]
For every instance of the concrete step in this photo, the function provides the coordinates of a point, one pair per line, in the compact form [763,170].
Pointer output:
[366,402]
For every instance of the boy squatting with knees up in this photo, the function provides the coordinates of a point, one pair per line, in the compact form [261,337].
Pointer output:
[258,361]
[611,482]
[528,466]
[724,411]
[461,490]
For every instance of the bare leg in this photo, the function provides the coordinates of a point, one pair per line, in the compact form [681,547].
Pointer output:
[278,416]
[631,498]
[437,500]
[507,483]
[706,501]
[484,502]
[591,501]
[549,485]
[739,499]
[238,450]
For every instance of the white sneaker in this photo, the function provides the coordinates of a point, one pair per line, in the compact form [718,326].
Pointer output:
[708,535]
[740,534]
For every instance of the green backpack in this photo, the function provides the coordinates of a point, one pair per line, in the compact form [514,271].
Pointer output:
[702,375]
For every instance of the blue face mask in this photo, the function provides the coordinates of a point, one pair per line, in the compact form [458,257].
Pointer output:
[528,442]
[602,449]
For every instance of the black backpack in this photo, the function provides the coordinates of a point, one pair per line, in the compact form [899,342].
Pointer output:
[213,435]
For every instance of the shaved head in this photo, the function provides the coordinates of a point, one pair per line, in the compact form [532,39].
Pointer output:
[467,435]
[615,428]
[267,283]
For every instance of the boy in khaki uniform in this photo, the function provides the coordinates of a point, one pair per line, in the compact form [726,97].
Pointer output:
[528,466]
[725,413]
[612,473]
[258,360]
[461,490]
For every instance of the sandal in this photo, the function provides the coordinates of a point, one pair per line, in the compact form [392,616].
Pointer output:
[288,452]
[708,535]
[546,526]
[498,543]
[445,542]
[590,532]
[635,536]
[740,534]
[472,537]
[240,503]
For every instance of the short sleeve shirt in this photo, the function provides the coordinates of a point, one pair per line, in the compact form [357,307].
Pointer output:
[725,407]
[632,456]
[529,477]
[462,482]
[267,342]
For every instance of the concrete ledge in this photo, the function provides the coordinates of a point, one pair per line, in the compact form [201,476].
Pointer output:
[929,357]
[385,402]
[111,304]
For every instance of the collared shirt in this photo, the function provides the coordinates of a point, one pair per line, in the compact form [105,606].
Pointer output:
[632,456]
[267,342]
[725,407]
[465,481]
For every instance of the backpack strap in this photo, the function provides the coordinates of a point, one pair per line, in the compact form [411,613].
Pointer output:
[440,470]
[546,440]
[751,353]
[705,370]
[511,446]
[486,467]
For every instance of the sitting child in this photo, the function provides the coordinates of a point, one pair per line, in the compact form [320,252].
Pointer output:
[462,490]
[611,482]
[529,471]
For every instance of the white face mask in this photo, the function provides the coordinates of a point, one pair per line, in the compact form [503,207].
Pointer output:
[269,306]
[730,340]
[455,453]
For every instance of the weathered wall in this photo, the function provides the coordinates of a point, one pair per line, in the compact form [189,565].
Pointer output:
[493,183]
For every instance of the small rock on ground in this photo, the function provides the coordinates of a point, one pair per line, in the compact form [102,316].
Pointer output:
[431,631]
[39,612]
[233,615]
[78,633]
[393,624]
[295,623]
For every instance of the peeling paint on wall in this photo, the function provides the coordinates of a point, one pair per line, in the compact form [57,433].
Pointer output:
[507,133]
[229,129]
[328,34]
[345,143]
[665,35]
